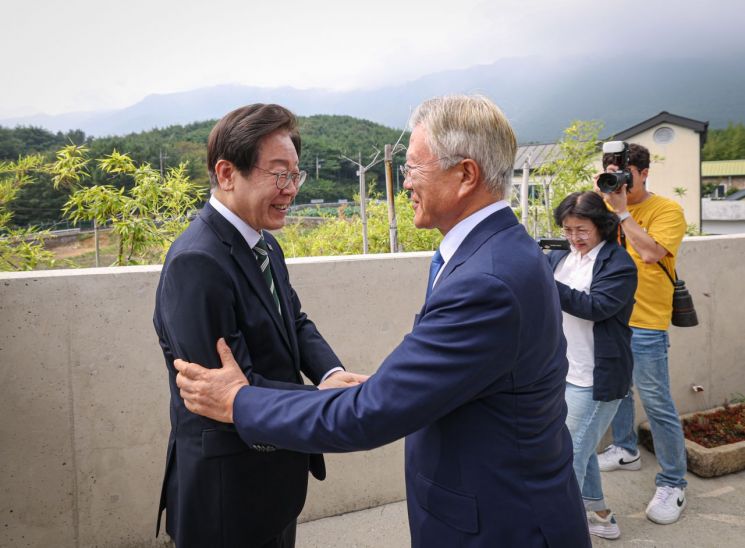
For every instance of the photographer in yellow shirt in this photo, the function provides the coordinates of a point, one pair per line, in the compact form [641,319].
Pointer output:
[654,228]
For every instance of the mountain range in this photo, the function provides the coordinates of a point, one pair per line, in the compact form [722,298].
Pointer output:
[540,95]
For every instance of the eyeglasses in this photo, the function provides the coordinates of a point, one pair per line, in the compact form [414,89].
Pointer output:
[406,169]
[575,234]
[284,178]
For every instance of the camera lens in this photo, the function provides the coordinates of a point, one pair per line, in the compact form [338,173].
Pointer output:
[610,182]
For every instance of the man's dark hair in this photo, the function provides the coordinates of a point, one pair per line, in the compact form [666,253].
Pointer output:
[590,206]
[638,157]
[237,136]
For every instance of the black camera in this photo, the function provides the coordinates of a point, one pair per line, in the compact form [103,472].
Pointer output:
[612,181]
[552,243]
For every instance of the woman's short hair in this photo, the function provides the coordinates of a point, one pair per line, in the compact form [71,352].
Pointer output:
[588,205]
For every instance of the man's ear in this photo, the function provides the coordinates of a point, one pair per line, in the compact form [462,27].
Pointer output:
[470,176]
[225,171]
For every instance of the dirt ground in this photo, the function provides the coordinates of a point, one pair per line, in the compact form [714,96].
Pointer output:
[84,243]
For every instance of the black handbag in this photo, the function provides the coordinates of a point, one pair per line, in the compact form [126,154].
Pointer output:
[684,315]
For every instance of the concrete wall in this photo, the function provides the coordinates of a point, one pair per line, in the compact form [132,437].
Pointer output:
[85,399]
[723,216]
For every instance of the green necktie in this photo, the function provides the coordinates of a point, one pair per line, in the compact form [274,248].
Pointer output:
[262,257]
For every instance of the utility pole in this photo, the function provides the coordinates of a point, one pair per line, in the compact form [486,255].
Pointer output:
[392,226]
[318,166]
[524,193]
[95,237]
[361,170]
[363,200]
[163,158]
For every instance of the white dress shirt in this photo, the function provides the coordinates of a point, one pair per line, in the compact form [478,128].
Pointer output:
[249,234]
[575,271]
[452,240]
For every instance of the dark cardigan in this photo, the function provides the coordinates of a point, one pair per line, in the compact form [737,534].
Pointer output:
[609,305]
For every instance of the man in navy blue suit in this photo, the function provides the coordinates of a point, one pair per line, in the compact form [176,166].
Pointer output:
[477,387]
[225,276]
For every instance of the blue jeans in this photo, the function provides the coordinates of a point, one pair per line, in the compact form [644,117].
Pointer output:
[587,421]
[652,381]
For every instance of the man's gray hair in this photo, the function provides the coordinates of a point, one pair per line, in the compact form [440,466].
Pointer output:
[470,126]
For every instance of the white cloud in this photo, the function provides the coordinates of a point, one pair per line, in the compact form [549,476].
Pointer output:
[88,54]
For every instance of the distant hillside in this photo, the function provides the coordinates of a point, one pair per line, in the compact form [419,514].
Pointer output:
[325,139]
[540,95]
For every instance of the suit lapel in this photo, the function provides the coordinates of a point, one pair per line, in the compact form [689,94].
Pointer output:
[283,292]
[246,262]
[603,255]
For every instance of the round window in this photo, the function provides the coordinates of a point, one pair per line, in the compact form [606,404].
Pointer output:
[664,135]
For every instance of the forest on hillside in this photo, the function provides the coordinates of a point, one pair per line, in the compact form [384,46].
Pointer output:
[325,139]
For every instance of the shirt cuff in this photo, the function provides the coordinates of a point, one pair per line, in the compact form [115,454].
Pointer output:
[331,372]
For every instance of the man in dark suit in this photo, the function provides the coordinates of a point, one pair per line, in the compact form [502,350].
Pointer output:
[477,387]
[225,276]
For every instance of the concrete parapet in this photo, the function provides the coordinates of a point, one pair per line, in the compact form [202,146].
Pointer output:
[85,396]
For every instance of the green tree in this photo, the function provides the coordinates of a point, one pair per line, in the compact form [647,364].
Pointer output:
[725,144]
[571,170]
[20,248]
[342,235]
[147,218]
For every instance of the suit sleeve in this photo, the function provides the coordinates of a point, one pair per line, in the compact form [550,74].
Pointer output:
[462,347]
[611,290]
[316,356]
[198,307]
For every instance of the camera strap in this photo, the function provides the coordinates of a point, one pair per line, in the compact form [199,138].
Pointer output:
[662,266]
[622,242]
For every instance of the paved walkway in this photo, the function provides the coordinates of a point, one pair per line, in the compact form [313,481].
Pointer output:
[714,518]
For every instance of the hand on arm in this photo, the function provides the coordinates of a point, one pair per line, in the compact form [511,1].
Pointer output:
[211,392]
[342,379]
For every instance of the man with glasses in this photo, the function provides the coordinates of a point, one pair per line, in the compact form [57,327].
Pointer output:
[654,227]
[477,387]
[225,276]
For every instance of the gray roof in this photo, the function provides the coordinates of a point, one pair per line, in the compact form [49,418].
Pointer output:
[739,195]
[543,153]
[661,118]
[538,155]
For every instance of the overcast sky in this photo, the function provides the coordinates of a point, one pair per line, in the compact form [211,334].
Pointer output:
[98,54]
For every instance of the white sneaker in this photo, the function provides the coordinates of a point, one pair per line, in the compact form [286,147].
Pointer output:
[617,458]
[667,505]
[603,527]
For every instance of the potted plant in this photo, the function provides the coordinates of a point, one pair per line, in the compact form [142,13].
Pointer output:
[714,439]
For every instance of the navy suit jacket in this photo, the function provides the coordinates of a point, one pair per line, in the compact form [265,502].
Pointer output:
[478,389]
[218,490]
[609,305]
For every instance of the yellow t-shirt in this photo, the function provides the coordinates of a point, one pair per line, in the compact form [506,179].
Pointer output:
[664,221]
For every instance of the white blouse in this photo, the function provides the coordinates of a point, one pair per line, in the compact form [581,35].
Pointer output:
[575,271]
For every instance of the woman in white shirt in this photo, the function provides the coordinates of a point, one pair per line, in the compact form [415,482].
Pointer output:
[596,280]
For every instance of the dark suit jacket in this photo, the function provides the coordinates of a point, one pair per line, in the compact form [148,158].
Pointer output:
[219,491]
[609,305]
[478,389]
